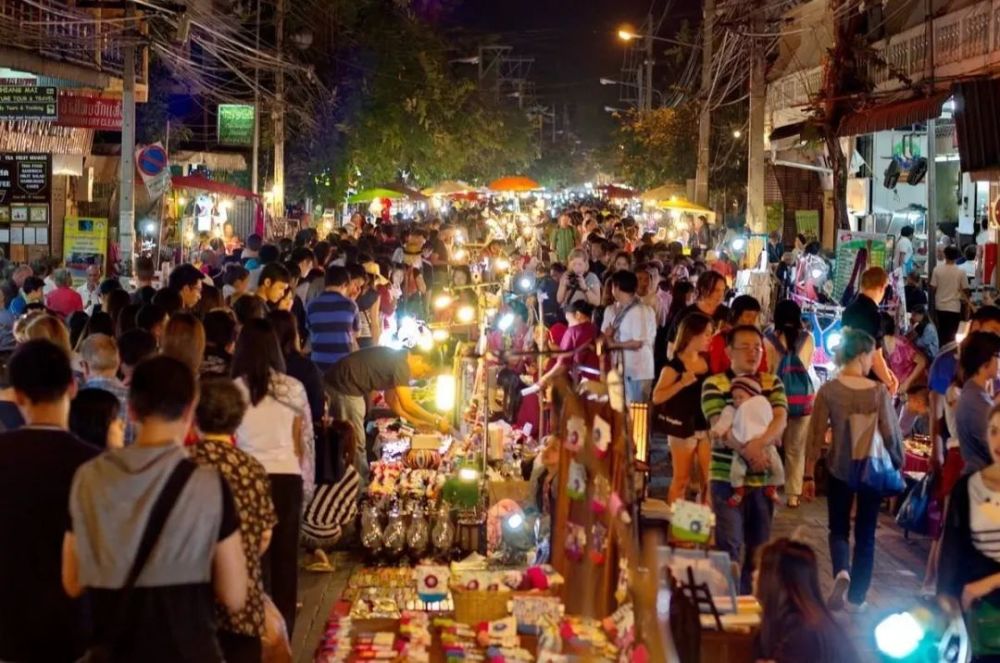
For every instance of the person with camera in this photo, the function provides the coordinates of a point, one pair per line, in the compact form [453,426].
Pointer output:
[578,282]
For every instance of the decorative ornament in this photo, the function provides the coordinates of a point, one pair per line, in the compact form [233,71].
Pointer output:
[601,435]
[576,431]
[576,481]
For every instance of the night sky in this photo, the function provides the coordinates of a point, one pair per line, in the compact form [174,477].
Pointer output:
[574,44]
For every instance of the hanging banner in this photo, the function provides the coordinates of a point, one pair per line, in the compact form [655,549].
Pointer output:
[89,111]
[25,187]
[807,222]
[151,161]
[849,243]
[28,102]
[775,217]
[234,124]
[85,243]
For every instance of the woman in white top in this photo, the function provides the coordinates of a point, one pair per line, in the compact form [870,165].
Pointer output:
[276,430]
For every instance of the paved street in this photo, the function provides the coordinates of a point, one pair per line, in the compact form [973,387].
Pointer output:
[899,568]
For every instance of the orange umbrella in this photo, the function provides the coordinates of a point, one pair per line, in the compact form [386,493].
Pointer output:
[514,183]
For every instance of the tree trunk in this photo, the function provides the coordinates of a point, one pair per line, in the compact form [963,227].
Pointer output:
[840,166]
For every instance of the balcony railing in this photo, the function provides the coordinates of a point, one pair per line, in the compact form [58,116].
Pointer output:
[60,32]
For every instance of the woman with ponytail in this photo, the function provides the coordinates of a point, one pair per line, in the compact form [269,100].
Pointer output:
[789,350]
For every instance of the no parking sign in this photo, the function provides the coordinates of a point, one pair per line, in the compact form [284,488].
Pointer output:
[151,161]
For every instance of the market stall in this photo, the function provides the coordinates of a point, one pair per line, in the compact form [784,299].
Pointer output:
[200,209]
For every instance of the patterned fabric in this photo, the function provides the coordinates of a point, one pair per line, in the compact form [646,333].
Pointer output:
[331,509]
[252,493]
[716,394]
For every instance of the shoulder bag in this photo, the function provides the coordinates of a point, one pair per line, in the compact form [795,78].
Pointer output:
[104,652]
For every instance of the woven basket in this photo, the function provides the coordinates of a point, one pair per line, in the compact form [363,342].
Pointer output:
[473,606]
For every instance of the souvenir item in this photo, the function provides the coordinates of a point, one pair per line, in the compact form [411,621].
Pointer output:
[531,611]
[601,435]
[576,481]
[418,533]
[576,541]
[598,540]
[601,495]
[576,432]
[443,532]
[432,583]
[690,521]
[371,528]
[394,537]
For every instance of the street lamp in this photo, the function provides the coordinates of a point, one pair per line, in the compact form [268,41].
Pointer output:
[608,81]
[628,35]
[737,133]
[612,109]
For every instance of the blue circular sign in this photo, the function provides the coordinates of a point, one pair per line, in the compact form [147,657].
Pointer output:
[152,160]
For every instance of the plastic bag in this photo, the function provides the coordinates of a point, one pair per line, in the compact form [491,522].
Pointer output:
[871,466]
[275,646]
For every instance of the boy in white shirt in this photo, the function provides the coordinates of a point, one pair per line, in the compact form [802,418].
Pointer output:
[630,327]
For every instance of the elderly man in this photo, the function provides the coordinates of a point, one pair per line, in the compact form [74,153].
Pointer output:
[749,522]
[64,300]
[89,291]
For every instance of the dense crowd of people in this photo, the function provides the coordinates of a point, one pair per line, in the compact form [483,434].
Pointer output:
[180,444]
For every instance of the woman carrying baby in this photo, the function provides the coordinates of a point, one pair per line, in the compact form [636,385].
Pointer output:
[852,405]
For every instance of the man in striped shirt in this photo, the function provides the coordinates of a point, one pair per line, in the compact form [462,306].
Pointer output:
[332,318]
[748,523]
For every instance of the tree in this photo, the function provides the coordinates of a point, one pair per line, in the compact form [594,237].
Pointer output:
[658,146]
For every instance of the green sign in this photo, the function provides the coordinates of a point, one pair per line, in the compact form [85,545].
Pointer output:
[235,124]
[775,217]
[28,102]
[807,222]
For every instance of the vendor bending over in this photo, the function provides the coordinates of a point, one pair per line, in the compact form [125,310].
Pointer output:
[349,382]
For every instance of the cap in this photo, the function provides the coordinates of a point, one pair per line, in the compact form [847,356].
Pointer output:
[373,269]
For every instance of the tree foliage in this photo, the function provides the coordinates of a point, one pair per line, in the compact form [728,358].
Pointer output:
[400,112]
[658,146]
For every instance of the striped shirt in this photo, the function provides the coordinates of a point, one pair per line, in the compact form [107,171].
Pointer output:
[332,320]
[716,394]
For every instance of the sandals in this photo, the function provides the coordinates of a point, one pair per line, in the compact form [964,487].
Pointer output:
[793,501]
[321,565]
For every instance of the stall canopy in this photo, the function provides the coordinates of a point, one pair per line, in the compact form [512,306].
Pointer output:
[205,184]
[514,183]
[368,195]
[613,191]
[893,114]
[664,192]
[684,205]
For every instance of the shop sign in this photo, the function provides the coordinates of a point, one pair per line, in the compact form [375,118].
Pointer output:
[89,111]
[85,243]
[849,245]
[29,102]
[807,222]
[775,217]
[24,178]
[235,123]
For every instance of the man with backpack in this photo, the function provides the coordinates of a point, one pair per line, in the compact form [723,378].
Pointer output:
[789,349]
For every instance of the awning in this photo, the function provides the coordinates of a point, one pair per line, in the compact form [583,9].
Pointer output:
[977,125]
[205,184]
[892,115]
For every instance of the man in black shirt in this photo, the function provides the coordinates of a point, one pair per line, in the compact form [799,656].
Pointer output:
[38,621]
[863,314]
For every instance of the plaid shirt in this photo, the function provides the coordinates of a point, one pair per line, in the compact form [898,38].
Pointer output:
[115,386]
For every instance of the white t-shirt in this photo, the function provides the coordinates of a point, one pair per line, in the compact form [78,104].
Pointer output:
[950,281]
[639,324]
[266,430]
[904,249]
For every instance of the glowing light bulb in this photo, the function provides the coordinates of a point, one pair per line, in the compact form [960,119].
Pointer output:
[515,520]
[466,314]
[739,244]
[468,474]
[444,392]
[440,335]
[899,635]
[816,273]
[502,264]
[443,301]
[505,321]
[834,339]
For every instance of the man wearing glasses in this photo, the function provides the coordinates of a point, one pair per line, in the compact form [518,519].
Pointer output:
[748,523]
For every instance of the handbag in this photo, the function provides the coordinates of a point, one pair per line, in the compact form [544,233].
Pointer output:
[104,652]
[983,622]
[871,466]
[914,514]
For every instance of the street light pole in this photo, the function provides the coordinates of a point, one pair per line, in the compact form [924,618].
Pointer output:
[126,174]
[648,99]
[705,117]
[279,114]
[756,215]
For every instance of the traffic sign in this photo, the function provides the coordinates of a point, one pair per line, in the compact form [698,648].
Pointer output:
[152,160]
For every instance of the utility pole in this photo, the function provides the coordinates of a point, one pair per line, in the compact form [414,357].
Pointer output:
[756,214]
[254,185]
[279,113]
[931,221]
[648,98]
[126,173]
[705,117]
